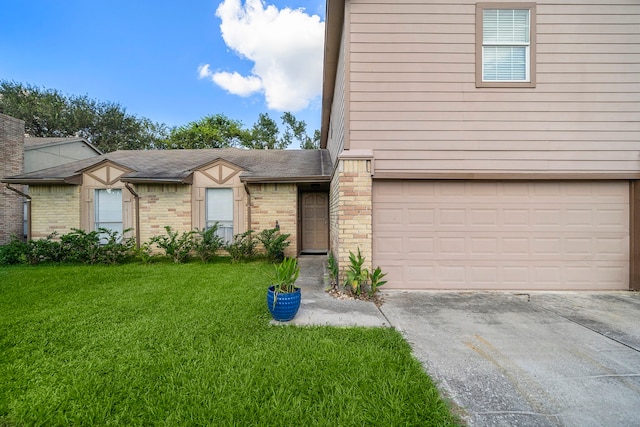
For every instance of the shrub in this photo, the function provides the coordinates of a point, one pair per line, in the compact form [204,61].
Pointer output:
[95,247]
[176,246]
[115,249]
[376,281]
[333,270]
[143,253]
[80,246]
[358,278]
[13,252]
[44,250]
[207,243]
[274,243]
[242,247]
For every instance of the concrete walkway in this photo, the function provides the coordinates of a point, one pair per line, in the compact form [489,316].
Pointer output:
[507,358]
[318,308]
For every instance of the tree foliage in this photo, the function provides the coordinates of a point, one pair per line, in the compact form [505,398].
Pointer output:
[49,113]
[217,131]
[297,130]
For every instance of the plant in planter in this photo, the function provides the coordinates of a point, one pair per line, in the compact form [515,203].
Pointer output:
[283,297]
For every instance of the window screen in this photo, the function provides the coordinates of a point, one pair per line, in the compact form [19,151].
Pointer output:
[108,210]
[505,45]
[220,210]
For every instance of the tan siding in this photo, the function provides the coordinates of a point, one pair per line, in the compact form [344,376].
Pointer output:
[413,98]
[338,119]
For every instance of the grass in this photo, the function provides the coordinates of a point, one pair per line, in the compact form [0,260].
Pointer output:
[191,344]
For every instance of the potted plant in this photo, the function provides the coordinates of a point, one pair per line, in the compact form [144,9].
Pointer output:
[283,297]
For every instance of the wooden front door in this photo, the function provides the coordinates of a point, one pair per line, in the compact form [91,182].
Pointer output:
[315,222]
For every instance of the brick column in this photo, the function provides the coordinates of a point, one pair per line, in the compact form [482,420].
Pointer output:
[11,163]
[351,209]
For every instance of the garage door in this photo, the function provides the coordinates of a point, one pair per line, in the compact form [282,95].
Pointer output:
[502,235]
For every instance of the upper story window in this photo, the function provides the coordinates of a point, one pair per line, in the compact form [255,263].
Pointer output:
[108,210]
[505,45]
[220,209]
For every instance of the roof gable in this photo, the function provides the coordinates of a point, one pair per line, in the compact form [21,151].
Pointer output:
[220,170]
[107,172]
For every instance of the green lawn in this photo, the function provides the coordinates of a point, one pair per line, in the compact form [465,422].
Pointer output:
[191,344]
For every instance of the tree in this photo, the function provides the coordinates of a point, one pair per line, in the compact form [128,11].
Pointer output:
[298,130]
[266,135]
[49,113]
[217,131]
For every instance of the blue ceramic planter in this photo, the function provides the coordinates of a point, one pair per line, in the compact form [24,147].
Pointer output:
[286,305]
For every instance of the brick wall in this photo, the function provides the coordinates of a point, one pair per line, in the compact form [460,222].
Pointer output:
[350,211]
[11,163]
[54,208]
[162,205]
[276,202]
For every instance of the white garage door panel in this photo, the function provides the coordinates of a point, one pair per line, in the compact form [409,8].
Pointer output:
[502,235]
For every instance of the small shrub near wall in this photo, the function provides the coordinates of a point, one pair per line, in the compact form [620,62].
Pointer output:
[96,247]
[108,247]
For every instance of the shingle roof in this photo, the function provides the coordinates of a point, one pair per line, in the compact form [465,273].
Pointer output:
[178,165]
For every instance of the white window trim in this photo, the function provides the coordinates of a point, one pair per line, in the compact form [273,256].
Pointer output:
[530,54]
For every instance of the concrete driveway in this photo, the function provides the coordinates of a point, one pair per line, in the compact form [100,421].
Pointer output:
[536,359]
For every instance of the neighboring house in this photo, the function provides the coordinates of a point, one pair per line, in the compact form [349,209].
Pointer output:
[26,154]
[485,145]
[187,189]
[11,163]
[42,153]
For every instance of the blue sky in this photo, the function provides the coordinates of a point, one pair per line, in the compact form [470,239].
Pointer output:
[172,61]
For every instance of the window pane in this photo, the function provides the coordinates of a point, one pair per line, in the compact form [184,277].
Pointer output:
[220,209]
[504,63]
[219,204]
[108,211]
[490,26]
[109,205]
[505,26]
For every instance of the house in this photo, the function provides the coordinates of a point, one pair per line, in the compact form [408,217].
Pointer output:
[42,153]
[485,145]
[147,190]
[20,154]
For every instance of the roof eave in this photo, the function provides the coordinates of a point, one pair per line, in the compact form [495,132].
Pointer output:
[156,180]
[285,180]
[37,181]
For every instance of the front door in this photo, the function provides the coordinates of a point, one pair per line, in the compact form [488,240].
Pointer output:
[315,222]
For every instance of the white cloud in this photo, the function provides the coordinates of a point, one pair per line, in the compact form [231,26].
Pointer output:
[232,82]
[285,46]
